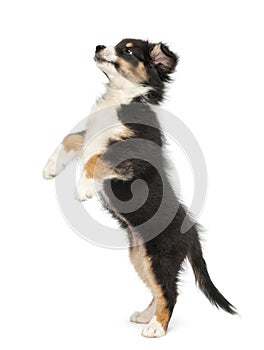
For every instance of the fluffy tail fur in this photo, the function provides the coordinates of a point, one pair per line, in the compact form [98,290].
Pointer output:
[204,281]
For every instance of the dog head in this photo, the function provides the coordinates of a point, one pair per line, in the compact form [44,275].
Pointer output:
[140,62]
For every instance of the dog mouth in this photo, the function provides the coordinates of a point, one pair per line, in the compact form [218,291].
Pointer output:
[100,59]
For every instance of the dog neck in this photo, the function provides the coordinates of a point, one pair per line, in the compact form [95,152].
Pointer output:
[120,91]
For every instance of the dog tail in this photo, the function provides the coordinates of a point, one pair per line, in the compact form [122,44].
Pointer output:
[203,280]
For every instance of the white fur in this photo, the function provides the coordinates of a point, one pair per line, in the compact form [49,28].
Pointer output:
[102,124]
[144,316]
[109,54]
[120,90]
[154,329]
[86,188]
[57,162]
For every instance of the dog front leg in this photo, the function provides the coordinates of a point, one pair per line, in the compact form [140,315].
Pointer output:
[69,149]
[94,172]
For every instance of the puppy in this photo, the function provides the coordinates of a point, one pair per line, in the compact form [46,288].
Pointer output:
[114,158]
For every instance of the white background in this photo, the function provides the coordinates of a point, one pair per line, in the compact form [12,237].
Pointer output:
[59,291]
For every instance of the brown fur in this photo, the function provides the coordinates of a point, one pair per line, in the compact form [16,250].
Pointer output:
[136,74]
[97,169]
[142,265]
[73,142]
[136,260]
[162,313]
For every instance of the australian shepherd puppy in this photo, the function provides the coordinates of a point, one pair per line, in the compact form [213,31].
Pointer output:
[138,71]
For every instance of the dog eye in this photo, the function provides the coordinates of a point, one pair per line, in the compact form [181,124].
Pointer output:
[128,51]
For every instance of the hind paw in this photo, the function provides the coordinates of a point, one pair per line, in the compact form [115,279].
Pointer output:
[141,317]
[154,329]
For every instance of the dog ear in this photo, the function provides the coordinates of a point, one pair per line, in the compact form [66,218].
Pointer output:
[163,58]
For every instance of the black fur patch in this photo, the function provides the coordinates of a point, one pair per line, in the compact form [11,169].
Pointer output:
[157,76]
[167,250]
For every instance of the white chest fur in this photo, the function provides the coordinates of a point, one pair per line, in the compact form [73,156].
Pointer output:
[103,123]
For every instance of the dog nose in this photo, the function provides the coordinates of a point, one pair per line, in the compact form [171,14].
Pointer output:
[99,48]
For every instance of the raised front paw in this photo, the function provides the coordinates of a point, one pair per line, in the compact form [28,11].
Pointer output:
[50,169]
[86,189]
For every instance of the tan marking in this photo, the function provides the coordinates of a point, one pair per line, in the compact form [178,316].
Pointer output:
[136,259]
[136,74]
[137,253]
[129,45]
[141,72]
[96,168]
[162,313]
[142,265]
[125,68]
[73,142]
